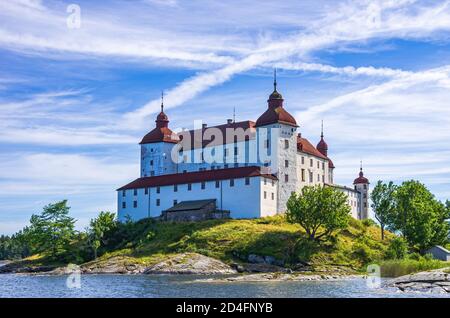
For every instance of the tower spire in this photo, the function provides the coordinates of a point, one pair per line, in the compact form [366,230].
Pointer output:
[275,79]
[162,101]
[321,131]
[360,166]
[234,114]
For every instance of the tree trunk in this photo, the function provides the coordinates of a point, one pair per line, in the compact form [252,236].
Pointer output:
[382,232]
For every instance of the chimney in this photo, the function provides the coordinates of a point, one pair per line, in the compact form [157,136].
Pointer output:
[299,135]
[229,121]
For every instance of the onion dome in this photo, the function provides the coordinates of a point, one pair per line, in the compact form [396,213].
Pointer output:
[161,133]
[322,145]
[361,179]
[275,112]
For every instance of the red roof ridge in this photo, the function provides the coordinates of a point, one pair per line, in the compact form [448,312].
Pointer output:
[197,176]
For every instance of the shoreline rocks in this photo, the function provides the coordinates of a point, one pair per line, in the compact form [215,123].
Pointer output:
[190,263]
[279,277]
[435,281]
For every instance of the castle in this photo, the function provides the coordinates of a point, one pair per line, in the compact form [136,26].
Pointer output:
[239,169]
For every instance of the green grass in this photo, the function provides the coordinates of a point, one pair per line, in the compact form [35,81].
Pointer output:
[395,268]
[233,240]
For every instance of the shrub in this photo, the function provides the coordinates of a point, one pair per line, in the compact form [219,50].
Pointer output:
[395,268]
[369,222]
[398,249]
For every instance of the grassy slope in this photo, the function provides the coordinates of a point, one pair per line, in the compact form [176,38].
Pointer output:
[233,240]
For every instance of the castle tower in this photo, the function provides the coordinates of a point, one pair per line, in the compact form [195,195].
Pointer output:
[156,147]
[277,145]
[322,146]
[362,186]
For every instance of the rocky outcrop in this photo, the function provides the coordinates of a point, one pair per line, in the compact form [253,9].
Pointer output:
[435,281]
[190,263]
[24,267]
[113,265]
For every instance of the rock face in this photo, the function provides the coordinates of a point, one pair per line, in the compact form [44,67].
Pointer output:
[190,263]
[113,265]
[435,281]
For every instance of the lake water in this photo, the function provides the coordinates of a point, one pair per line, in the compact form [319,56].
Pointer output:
[12,285]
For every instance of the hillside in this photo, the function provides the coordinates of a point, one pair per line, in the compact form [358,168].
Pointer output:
[244,241]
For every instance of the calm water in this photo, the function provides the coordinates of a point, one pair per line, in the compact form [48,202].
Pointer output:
[182,286]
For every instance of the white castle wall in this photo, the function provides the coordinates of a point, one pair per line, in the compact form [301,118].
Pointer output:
[243,201]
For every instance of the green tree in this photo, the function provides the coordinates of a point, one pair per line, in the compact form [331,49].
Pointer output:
[419,217]
[383,203]
[319,210]
[52,231]
[398,248]
[104,223]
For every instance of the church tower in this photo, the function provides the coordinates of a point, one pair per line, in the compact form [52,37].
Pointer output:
[362,186]
[156,147]
[277,145]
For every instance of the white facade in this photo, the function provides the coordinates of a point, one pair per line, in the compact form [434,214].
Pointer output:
[256,172]
[251,197]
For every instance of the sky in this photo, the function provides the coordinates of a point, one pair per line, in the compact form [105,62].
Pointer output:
[80,84]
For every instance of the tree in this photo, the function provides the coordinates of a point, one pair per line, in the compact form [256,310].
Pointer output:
[419,217]
[52,231]
[320,210]
[383,203]
[104,223]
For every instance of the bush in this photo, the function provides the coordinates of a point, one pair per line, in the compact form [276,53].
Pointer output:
[369,222]
[364,252]
[398,249]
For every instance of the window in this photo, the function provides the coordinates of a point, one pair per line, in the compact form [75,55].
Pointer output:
[175,202]
[310,177]
[266,144]
[286,163]
[364,195]
[318,178]
[151,162]
[135,191]
[236,152]
[124,205]
[323,165]
[236,165]
[226,152]
[231,182]
[124,193]
[184,171]
[365,187]
[265,195]
[273,182]
[311,162]
[217,184]
[158,202]
[247,181]
[203,185]
[175,188]
[318,165]
[265,181]
[189,186]
[134,204]
[323,179]
[158,190]
[273,196]
[303,160]
[225,166]
[286,144]
[146,190]
[286,178]
[152,173]
[303,175]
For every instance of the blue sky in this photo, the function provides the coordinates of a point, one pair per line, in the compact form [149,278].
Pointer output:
[74,103]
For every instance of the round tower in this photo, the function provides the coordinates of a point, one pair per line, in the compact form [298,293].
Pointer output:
[156,147]
[362,186]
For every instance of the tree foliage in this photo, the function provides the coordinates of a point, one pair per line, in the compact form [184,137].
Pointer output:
[383,203]
[99,228]
[419,217]
[319,210]
[51,231]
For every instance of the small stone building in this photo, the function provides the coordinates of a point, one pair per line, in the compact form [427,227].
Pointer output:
[440,253]
[194,211]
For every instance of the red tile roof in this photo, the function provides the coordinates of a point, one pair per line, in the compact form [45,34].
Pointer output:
[198,176]
[361,179]
[305,146]
[196,138]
